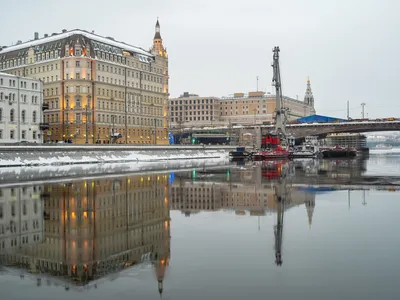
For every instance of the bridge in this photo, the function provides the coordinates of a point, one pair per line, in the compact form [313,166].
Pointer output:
[322,129]
[240,133]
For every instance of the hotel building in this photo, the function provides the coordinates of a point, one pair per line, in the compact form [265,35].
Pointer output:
[99,90]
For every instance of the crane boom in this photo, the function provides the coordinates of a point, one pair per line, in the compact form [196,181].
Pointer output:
[276,81]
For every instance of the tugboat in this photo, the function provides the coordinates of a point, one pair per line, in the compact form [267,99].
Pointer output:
[308,149]
[239,154]
[271,148]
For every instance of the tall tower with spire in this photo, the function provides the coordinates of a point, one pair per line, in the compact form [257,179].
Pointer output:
[309,98]
[158,47]
[161,59]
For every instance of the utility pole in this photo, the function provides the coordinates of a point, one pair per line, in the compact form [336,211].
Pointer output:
[257,83]
[348,110]
[362,112]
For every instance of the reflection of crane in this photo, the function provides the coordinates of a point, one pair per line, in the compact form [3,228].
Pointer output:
[281,196]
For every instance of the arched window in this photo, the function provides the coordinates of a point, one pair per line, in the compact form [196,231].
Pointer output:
[23,115]
[12,115]
[34,116]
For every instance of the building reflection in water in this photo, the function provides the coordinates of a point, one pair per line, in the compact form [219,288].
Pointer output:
[85,230]
[75,234]
[259,189]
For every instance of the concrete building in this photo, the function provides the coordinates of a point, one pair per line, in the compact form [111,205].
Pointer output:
[20,109]
[21,218]
[193,110]
[254,108]
[99,90]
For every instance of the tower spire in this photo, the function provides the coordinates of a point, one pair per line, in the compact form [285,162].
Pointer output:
[309,97]
[158,47]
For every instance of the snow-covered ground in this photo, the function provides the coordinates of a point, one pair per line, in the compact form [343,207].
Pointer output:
[62,157]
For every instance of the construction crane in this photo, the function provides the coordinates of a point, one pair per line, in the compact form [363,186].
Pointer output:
[280,112]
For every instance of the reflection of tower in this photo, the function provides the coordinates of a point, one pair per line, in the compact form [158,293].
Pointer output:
[161,252]
[310,205]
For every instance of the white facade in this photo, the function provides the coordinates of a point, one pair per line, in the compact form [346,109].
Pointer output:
[21,217]
[20,109]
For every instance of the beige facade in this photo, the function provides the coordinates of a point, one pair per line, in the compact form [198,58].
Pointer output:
[98,90]
[192,110]
[254,108]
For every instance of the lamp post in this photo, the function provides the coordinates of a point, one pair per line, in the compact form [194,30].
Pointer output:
[113,129]
[155,131]
[87,126]
[66,119]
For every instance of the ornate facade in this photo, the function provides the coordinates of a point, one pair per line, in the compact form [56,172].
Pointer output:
[98,90]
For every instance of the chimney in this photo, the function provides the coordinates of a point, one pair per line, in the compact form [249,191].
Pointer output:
[46,35]
[36,35]
[64,30]
[19,42]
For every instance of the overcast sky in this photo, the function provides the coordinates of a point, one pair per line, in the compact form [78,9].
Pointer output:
[349,48]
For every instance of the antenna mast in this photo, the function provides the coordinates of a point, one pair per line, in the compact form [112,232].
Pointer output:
[276,81]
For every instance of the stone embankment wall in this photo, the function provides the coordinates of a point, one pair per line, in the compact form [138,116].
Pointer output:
[40,155]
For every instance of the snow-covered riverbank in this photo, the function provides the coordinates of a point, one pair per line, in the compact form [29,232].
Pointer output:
[23,175]
[72,156]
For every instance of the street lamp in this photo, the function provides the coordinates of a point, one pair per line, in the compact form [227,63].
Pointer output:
[87,118]
[87,125]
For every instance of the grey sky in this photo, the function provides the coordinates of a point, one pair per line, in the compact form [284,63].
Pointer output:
[350,49]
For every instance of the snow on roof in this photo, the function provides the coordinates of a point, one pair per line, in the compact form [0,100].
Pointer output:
[67,34]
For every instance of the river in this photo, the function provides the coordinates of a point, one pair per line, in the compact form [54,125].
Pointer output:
[273,230]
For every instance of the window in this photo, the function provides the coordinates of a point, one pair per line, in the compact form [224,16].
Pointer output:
[77,64]
[12,136]
[77,76]
[1,134]
[34,117]
[12,115]
[34,135]
[1,114]
[23,134]
[23,116]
